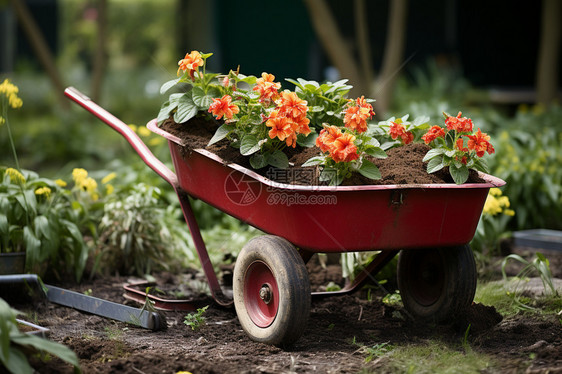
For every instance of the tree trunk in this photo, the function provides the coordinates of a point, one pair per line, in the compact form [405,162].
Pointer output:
[549,52]
[40,48]
[100,55]
[363,43]
[335,46]
[393,55]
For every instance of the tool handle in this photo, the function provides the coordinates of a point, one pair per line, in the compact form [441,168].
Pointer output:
[119,126]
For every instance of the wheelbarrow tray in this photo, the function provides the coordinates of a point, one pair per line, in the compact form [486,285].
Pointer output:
[333,219]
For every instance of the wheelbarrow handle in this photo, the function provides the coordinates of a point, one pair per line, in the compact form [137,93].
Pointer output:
[119,126]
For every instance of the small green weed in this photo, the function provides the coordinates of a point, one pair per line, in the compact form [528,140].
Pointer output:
[539,265]
[196,320]
[375,351]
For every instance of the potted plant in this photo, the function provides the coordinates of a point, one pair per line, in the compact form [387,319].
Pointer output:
[40,217]
[263,122]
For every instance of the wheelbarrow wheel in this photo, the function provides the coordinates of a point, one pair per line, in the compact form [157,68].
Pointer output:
[436,284]
[271,291]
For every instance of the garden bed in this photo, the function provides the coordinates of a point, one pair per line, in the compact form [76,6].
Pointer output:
[339,329]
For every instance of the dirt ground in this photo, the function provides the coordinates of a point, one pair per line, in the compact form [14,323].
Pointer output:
[519,344]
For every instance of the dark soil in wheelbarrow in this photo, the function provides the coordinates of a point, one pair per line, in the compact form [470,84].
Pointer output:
[402,166]
[331,343]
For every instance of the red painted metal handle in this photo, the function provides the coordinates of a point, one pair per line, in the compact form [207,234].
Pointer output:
[119,126]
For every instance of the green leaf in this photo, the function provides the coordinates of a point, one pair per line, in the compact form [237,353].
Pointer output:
[186,109]
[55,349]
[258,161]
[164,112]
[481,165]
[314,161]
[42,228]
[307,140]
[277,159]
[376,152]
[221,133]
[201,99]
[166,86]
[17,362]
[32,247]
[459,174]
[433,153]
[369,170]
[422,120]
[450,153]
[249,145]
[435,164]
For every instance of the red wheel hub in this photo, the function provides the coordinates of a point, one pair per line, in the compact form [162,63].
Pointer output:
[261,294]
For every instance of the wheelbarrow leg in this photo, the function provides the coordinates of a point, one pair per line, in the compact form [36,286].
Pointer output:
[367,273]
[210,274]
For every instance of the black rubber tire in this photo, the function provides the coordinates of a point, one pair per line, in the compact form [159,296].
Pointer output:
[278,258]
[438,283]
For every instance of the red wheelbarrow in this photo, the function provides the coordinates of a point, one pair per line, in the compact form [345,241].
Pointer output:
[430,225]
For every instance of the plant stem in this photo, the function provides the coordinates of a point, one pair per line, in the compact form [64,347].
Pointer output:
[5,115]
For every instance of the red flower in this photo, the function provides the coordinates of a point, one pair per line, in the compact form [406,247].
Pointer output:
[222,106]
[479,142]
[190,62]
[459,124]
[433,133]
[397,130]
[356,116]
[460,145]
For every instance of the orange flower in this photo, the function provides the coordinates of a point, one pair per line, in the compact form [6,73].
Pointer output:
[281,127]
[398,130]
[222,106]
[190,62]
[433,133]
[479,142]
[301,125]
[460,145]
[291,105]
[267,88]
[356,116]
[326,138]
[459,124]
[344,150]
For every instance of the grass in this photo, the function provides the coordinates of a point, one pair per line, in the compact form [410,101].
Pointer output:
[508,303]
[437,357]
[430,356]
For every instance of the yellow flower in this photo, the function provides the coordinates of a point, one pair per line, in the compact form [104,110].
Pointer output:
[89,184]
[133,127]
[109,177]
[495,191]
[2,120]
[79,175]
[43,191]
[143,131]
[109,189]
[11,92]
[15,175]
[496,203]
[60,183]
